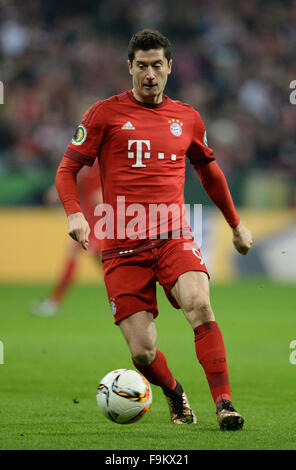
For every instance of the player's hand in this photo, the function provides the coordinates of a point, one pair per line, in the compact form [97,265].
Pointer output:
[242,239]
[79,229]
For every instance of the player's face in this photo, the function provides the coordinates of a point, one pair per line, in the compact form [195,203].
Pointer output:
[150,70]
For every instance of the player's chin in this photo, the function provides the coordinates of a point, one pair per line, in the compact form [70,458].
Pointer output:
[150,90]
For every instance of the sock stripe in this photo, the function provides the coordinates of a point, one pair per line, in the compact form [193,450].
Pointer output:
[204,328]
[218,381]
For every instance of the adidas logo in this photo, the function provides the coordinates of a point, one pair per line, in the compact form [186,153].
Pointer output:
[128,126]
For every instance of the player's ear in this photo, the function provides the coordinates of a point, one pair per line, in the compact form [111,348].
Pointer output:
[130,67]
[170,66]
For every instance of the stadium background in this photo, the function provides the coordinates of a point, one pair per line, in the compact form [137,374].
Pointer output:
[234,61]
[230,62]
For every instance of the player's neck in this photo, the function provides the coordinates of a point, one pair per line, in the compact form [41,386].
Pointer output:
[148,99]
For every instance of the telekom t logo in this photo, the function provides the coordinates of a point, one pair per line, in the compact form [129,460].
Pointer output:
[141,153]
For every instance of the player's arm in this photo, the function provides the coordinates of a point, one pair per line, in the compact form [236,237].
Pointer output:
[82,150]
[215,184]
[66,185]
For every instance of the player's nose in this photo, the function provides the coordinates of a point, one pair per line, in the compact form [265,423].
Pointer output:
[150,73]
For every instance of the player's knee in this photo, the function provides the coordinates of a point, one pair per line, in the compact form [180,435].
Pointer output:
[202,308]
[143,355]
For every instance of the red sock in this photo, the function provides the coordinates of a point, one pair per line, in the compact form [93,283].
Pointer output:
[157,372]
[210,352]
[65,279]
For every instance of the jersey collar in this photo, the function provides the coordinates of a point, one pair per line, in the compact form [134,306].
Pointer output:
[147,105]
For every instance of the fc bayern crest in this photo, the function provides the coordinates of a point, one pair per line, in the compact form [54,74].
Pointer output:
[176,127]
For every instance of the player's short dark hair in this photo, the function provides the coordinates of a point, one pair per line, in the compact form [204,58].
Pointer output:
[149,39]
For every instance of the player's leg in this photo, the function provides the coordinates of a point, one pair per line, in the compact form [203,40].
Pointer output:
[140,334]
[191,291]
[131,287]
[51,305]
[67,275]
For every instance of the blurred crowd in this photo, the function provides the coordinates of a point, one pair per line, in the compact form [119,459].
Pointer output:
[233,61]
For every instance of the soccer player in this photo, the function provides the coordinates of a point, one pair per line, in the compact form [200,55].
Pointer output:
[90,195]
[141,138]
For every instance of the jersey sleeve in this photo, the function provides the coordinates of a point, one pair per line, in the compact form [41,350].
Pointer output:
[66,184]
[198,151]
[87,140]
[215,184]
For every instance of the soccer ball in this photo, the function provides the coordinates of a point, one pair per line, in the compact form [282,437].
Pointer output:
[124,396]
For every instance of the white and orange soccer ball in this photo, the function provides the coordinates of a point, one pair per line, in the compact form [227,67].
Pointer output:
[124,396]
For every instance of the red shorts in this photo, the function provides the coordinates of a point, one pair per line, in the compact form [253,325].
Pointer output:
[131,280]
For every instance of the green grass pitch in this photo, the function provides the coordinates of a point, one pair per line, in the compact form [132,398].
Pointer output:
[53,366]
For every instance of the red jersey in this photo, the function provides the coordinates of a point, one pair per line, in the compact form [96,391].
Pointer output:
[89,183]
[141,150]
[90,192]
